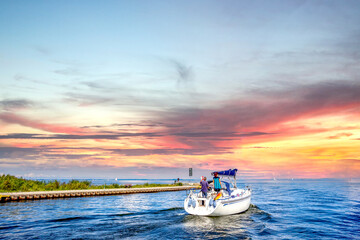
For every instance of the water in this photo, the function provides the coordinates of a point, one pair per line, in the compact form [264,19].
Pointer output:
[281,209]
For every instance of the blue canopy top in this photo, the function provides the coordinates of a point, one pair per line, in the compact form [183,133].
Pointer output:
[230,172]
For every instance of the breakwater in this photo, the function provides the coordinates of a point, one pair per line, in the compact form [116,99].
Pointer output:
[18,196]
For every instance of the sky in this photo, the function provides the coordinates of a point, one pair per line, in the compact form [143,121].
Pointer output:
[148,89]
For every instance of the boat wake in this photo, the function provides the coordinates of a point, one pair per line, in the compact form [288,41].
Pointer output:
[255,210]
[161,211]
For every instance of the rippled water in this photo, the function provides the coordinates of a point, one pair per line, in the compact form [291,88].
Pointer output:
[299,209]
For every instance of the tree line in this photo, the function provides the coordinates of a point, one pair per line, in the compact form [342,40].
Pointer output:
[9,183]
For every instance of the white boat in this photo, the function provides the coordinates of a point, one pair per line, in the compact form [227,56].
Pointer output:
[230,200]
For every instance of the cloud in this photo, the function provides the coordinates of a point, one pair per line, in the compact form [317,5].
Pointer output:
[115,96]
[340,135]
[86,100]
[210,134]
[116,135]
[15,104]
[179,151]
[15,152]
[265,108]
[262,112]
[258,114]
[17,119]
[42,50]
[49,153]
[185,73]
[65,156]
[69,71]
[74,136]
[216,130]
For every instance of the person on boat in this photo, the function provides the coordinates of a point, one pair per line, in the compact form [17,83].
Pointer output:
[217,182]
[204,187]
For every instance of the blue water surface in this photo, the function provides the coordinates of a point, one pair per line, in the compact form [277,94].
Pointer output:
[280,209]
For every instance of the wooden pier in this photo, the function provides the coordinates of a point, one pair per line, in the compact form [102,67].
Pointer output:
[18,196]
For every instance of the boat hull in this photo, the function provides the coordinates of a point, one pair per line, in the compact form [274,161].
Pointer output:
[232,204]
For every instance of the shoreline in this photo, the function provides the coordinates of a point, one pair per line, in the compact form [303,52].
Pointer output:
[19,196]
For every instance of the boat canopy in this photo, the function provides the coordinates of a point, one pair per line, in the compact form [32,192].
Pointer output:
[230,172]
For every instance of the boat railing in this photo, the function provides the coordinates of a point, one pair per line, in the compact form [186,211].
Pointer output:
[191,191]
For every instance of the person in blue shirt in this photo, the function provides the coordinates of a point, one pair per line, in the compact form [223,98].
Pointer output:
[204,187]
[217,182]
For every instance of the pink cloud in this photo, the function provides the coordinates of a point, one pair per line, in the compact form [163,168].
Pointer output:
[262,112]
[54,128]
[340,135]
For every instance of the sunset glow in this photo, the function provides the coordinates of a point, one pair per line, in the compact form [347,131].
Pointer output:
[149,89]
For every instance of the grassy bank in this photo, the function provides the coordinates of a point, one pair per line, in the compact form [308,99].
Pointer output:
[9,183]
